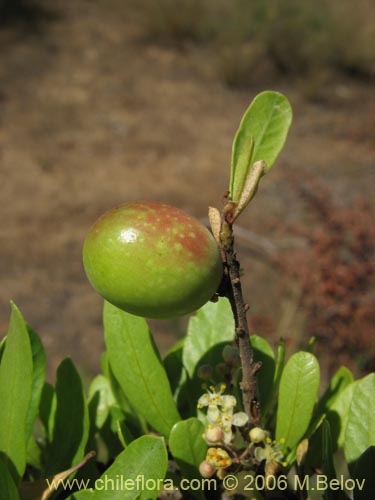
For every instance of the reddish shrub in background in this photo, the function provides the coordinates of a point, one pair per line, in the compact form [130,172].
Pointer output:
[336,275]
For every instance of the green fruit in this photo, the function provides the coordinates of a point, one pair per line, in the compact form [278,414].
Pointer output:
[152,260]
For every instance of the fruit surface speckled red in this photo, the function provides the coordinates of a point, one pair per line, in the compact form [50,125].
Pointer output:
[152,260]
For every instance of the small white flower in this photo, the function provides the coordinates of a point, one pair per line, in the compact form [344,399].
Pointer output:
[271,452]
[228,419]
[212,397]
[213,415]
[240,419]
[257,435]
[220,411]
[228,401]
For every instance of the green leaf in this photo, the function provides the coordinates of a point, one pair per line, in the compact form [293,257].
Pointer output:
[134,420]
[297,396]
[107,437]
[188,446]
[102,387]
[137,367]
[360,426]
[16,374]
[346,406]
[39,377]
[115,386]
[242,152]
[337,415]
[261,136]
[47,409]
[280,361]
[269,421]
[138,472]
[34,454]
[340,380]
[268,119]
[209,331]
[82,495]
[263,352]
[71,424]
[328,466]
[104,364]
[213,324]
[2,347]
[8,489]
[174,367]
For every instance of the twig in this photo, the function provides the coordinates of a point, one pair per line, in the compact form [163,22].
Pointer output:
[233,290]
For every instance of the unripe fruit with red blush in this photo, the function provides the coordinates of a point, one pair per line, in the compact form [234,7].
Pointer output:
[152,260]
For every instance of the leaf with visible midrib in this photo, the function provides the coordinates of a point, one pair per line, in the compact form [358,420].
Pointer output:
[16,373]
[260,136]
[138,368]
[298,392]
[269,119]
[144,460]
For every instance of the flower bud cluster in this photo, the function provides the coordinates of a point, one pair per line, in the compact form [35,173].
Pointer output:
[219,434]
[221,419]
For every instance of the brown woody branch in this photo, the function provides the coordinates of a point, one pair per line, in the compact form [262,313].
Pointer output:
[233,290]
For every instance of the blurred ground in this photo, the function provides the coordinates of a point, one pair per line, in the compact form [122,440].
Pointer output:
[92,114]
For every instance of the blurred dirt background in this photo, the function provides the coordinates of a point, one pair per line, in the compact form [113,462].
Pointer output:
[107,101]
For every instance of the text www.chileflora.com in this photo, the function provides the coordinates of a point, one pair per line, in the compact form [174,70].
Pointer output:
[140,483]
